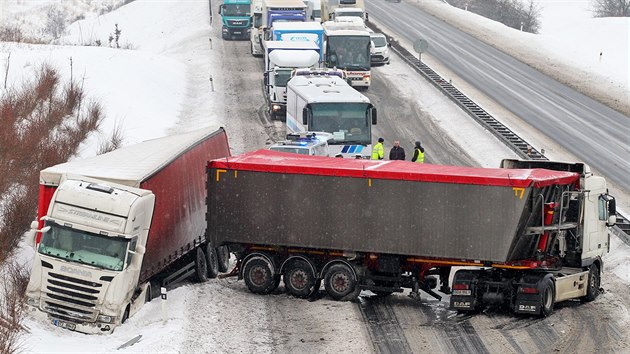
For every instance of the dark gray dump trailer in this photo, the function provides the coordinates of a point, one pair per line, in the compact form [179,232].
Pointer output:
[386,225]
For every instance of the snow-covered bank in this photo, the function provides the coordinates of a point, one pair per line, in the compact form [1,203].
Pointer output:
[567,49]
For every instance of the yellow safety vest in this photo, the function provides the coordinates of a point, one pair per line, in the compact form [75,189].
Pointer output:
[377,152]
[420,158]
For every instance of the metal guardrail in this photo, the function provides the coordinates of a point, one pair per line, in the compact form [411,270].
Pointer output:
[511,139]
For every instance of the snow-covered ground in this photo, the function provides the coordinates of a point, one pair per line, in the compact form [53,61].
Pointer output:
[161,86]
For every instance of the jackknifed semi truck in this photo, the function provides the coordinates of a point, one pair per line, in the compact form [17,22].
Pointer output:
[527,235]
[114,228]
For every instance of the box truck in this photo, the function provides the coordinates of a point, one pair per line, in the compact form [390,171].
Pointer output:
[114,228]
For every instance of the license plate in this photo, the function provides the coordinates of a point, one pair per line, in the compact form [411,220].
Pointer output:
[237,32]
[462,292]
[66,325]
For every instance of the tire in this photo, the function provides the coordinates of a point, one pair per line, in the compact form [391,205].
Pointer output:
[547,297]
[212,261]
[259,277]
[339,281]
[201,266]
[125,315]
[299,279]
[594,279]
[223,258]
[151,289]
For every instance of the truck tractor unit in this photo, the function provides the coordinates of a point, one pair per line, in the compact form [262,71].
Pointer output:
[235,17]
[328,7]
[313,11]
[529,234]
[327,103]
[282,59]
[114,228]
[272,11]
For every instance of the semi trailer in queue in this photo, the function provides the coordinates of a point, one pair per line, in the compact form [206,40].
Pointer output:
[531,233]
[116,227]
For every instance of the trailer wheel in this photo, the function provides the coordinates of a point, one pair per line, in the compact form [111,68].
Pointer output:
[548,297]
[299,279]
[212,262]
[201,266]
[223,258]
[259,277]
[339,281]
[594,279]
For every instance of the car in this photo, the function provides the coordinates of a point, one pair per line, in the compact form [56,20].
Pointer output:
[379,53]
[308,143]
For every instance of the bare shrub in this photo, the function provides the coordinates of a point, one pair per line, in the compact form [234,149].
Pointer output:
[43,124]
[15,34]
[56,22]
[113,142]
[13,281]
[611,8]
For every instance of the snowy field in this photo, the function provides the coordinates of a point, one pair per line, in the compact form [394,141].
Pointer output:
[159,85]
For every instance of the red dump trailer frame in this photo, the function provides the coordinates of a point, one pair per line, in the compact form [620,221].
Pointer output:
[387,225]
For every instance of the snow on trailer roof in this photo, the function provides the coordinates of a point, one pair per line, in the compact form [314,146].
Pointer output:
[278,162]
[131,164]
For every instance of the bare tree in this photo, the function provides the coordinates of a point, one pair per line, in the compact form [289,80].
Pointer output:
[611,8]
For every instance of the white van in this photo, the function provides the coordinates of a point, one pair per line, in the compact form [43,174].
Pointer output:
[379,52]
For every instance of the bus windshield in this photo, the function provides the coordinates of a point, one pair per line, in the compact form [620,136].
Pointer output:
[236,10]
[84,247]
[348,52]
[348,122]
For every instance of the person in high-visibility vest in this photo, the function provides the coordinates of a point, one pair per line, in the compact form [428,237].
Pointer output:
[377,151]
[418,153]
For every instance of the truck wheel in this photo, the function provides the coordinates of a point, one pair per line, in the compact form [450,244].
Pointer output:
[299,279]
[223,258]
[548,297]
[592,291]
[201,266]
[259,277]
[339,281]
[212,261]
[125,315]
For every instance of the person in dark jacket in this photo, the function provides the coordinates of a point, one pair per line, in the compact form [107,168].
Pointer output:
[397,153]
[418,153]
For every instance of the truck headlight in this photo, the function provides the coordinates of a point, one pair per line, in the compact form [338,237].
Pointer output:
[32,301]
[105,318]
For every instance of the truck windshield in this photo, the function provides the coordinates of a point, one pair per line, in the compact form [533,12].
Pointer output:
[84,247]
[282,77]
[348,122]
[236,10]
[348,52]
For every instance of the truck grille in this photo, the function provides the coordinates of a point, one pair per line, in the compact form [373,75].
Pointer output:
[71,299]
[237,23]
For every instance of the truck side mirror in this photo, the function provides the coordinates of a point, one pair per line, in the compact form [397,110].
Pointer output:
[220,9]
[373,116]
[266,78]
[304,116]
[367,17]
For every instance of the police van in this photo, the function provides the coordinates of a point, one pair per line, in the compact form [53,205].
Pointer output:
[309,143]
